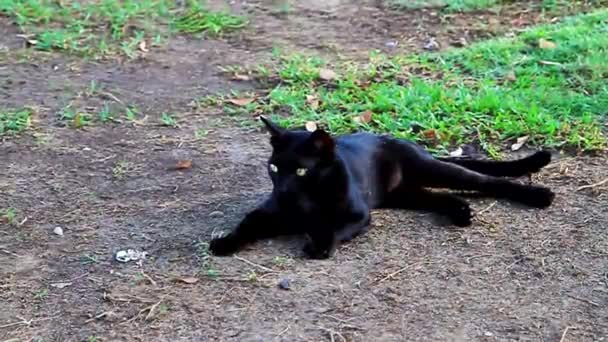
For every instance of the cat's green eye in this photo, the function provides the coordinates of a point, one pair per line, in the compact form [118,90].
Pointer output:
[301,172]
[274,168]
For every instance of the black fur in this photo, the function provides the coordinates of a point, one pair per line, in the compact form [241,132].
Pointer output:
[348,176]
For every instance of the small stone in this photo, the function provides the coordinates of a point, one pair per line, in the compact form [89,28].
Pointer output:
[461,42]
[431,45]
[391,43]
[58,231]
[284,284]
[488,334]
[216,214]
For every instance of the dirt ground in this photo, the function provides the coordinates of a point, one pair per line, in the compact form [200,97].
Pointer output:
[516,274]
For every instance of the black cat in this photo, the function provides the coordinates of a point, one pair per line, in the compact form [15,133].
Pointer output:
[324,187]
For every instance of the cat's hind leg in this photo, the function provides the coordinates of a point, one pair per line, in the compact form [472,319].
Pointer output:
[440,174]
[455,208]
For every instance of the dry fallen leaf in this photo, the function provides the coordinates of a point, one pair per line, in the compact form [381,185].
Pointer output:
[183,164]
[365,117]
[518,22]
[520,143]
[142,46]
[457,152]
[61,285]
[546,44]
[312,101]
[430,134]
[311,126]
[327,74]
[511,76]
[242,101]
[187,280]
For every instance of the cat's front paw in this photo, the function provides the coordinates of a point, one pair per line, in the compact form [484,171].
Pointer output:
[314,252]
[539,197]
[223,246]
[461,215]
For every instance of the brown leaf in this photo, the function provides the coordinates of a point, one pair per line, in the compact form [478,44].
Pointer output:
[242,101]
[78,121]
[364,117]
[143,46]
[327,74]
[430,134]
[183,164]
[312,101]
[518,22]
[546,44]
[311,126]
[520,143]
[187,280]
[511,76]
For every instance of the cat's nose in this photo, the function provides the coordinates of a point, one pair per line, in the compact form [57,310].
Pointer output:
[285,191]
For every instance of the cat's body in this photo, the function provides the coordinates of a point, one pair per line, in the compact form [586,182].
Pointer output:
[325,187]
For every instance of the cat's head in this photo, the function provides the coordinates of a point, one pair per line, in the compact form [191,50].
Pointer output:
[300,159]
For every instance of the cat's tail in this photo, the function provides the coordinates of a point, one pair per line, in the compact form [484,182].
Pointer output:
[512,168]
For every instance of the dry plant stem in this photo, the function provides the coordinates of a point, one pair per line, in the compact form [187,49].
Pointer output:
[254,264]
[487,208]
[25,322]
[564,333]
[595,185]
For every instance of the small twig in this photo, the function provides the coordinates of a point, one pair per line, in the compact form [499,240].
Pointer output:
[332,333]
[254,264]
[593,185]
[112,96]
[149,315]
[565,332]
[282,332]
[150,310]
[149,278]
[584,300]
[486,208]
[10,253]
[25,322]
[339,319]
[103,314]
[397,272]
[468,260]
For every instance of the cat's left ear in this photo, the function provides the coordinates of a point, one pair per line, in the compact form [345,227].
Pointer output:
[323,142]
[274,129]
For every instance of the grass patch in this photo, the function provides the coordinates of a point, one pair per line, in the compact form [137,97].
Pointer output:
[449,5]
[199,20]
[550,83]
[111,26]
[9,216]
[14,121]
[475,5]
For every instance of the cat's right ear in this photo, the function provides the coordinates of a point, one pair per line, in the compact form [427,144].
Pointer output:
[274,129]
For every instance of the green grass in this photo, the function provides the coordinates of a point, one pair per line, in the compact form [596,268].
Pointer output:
[14,121]
[9,215]
[199,20]
[473,5]
[107,27]
[450,5]
[491,92]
